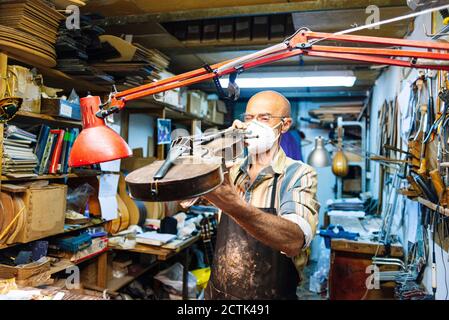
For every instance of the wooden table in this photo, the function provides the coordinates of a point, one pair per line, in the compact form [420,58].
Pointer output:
[165,252]
[348,272]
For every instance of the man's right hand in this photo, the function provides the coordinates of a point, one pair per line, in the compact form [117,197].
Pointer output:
[237,124]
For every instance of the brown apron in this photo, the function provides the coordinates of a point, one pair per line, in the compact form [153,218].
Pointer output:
[244,268]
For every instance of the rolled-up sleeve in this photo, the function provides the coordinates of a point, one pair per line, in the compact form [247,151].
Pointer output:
[299,204]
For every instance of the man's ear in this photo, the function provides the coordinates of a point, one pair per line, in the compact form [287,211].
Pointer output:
[286,124]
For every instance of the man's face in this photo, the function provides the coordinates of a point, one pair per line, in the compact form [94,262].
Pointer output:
[268,112]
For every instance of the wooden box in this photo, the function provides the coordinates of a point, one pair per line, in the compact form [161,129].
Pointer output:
[260,28]
[226,29]
[61,108]
[45,212]
[25,271]
[193,32]
[210,28]
[135,162]
[243,29]
[277,26]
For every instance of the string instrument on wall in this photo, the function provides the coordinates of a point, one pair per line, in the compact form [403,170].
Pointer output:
[340,165]
[195,165]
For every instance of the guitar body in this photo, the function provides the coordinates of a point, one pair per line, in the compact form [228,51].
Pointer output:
[19,204]
[122,221]
[133,210]
[8,213]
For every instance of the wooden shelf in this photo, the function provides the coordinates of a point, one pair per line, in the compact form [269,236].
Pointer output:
[53,176]
[59,79]
[162,252]
[84,226]
[38,117]
[432,206]
[63,264]
[116,283]
[149,105]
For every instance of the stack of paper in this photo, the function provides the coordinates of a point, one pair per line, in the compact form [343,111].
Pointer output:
[154,238]
[353,207]
[19,159]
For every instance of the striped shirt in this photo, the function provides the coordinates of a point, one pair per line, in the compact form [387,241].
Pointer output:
[295,196]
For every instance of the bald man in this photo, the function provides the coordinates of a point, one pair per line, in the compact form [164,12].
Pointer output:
[269,211]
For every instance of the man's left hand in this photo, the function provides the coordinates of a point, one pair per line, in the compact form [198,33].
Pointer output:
[223,196]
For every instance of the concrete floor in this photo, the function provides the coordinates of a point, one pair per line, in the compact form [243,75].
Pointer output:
[303,291]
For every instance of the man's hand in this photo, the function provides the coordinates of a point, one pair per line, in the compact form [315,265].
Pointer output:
[237,124]
[224,195]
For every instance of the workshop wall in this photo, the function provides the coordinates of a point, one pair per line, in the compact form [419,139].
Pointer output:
[141,127]
[326,179]
[390,84]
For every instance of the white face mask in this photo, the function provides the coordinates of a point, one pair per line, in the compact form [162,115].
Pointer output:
[266,137]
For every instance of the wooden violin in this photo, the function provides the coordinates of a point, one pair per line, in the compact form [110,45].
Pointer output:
[194,166]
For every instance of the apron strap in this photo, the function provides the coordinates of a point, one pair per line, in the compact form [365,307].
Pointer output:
[237,177]
[273,191]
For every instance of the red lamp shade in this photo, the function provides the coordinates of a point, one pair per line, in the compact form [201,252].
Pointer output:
[96,143]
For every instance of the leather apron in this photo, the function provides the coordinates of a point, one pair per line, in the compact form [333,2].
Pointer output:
[245,268]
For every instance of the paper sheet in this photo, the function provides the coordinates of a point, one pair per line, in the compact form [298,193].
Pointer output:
[111,166]
[412,213]
[357,214]
[107,196]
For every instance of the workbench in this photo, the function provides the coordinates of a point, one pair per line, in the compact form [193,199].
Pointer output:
[161,253]
[349,261]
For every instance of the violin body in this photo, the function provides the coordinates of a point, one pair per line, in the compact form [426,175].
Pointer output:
[189,175]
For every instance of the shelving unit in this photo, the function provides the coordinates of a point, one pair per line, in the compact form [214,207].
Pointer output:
[117,283]
[362,164]
[29,116]
[53,176]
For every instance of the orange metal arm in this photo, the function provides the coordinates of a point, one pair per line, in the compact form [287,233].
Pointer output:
[303,42]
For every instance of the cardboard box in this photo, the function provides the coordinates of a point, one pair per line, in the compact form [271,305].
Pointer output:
[172,98]
[45,212]
[98,245]
[197,103]
[135,162]
[211,106]
[183,98]
[219,112]
[61,108]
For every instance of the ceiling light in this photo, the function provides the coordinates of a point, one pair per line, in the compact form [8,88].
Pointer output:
[294,80]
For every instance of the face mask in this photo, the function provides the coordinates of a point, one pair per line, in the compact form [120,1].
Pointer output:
[266,137]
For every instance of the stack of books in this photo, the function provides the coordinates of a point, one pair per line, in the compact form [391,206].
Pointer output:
[19,160]
[53,149]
